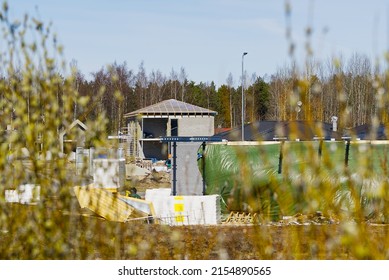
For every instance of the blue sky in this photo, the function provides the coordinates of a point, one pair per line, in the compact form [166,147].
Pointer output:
[208,37]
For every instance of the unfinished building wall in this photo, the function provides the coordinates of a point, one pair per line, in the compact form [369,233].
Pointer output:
[189,179]
[196,126]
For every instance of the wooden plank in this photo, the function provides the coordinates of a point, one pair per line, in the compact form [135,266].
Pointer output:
[104,203]
[143,206]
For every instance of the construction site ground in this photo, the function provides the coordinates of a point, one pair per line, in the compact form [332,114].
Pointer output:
[153,180]
[90,237]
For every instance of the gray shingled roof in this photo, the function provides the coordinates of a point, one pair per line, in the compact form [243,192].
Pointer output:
[171,107]
[268,130]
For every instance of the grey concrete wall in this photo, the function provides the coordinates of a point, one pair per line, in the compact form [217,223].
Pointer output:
[189,179]
[196,126]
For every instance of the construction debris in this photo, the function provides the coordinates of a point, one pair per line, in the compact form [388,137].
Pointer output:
[144,207]
[170,210]
[132,170]
[105,204]
[316,218]
[24,194]
[144,163]
[152,180]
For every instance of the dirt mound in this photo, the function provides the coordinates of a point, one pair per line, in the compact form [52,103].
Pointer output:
[154,180]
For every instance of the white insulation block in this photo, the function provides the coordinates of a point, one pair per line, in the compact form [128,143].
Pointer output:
[24,194]
[185,210]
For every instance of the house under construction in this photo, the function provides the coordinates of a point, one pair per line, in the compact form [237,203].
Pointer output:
[167,118]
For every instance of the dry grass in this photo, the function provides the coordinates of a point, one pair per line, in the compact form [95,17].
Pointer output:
[38,102]
[77,236]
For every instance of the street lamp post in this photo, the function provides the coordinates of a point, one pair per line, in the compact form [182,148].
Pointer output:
[243,96]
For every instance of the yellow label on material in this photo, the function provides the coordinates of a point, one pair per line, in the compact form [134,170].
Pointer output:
[179,219]
[178,198]
[179,207]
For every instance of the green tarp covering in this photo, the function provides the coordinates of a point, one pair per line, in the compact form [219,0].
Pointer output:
[283,178]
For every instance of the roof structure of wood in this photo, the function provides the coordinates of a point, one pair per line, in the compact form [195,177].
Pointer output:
[171,107]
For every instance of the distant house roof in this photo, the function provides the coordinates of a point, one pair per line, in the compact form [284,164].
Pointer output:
[171,107]
[364,132]
[75,123]
[221,129]
[291,130]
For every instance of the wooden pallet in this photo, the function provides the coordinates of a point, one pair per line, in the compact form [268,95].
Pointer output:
[241,218]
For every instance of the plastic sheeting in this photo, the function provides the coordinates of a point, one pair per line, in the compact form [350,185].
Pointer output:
[274,177]
[184,210]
